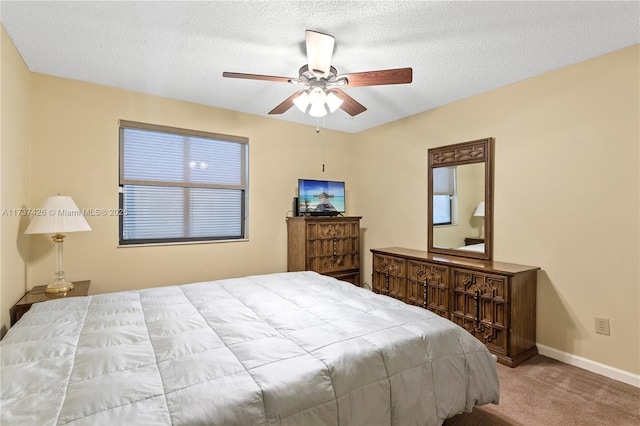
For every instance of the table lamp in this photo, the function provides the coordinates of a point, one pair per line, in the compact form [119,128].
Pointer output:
[59,214]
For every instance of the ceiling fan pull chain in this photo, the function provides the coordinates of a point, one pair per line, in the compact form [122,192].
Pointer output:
[323,144]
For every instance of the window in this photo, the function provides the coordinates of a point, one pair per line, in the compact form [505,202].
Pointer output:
[442,209]
[444,191]
[179,185]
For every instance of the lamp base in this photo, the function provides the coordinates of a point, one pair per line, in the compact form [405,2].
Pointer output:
[64,289]
[59,285]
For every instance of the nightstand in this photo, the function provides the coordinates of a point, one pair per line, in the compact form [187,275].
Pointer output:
[473,240]
[37,295]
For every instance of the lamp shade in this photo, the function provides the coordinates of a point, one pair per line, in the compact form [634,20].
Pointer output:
[333,102]
[316,100]
[480,210]
[302,101]
[317,110]
[59,215]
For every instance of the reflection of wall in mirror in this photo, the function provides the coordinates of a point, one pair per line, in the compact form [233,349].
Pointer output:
[469,193]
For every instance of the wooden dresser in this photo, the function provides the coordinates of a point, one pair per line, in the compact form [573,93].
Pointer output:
[494,301]
[327,245]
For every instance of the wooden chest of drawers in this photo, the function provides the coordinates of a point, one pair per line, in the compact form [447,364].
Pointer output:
[327,245]
[494,301]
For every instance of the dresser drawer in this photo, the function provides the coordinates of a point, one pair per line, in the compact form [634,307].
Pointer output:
[331,263]
[388,276]
[428,286]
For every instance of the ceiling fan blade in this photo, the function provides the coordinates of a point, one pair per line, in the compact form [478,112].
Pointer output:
[319,51]
[349,105]
[379,78]
[286,104]
[256,77]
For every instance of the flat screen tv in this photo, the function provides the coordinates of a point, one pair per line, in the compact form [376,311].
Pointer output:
[320,197]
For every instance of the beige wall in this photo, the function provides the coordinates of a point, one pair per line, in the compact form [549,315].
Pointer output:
[15,82]
[75,152]
[566,194]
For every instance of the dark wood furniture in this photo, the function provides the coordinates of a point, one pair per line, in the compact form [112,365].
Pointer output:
[327,245]
[494,301]
[37,294]
[473,240]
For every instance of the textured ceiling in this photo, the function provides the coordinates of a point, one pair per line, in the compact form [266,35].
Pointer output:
[180,49]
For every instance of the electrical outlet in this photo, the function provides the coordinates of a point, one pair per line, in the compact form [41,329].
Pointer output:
[602,326]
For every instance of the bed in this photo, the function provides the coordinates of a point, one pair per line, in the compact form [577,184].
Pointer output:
[473,247]
[293,348]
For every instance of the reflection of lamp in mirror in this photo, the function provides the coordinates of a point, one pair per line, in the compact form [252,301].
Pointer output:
[59,214]
[480,213]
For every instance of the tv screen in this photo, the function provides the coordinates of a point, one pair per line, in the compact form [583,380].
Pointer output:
[320,197]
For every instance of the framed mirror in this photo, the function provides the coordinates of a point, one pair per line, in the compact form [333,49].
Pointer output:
[460,199]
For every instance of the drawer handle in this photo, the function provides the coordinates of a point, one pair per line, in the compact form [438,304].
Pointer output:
[426,292]
[426,276]
[334,232]
[476,301]
[385,269]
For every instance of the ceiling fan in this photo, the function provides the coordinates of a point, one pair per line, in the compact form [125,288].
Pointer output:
[322,82]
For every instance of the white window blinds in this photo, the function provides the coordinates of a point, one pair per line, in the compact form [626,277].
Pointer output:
[444,179]
[179,185]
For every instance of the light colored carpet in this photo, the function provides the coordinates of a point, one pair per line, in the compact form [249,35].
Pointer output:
[543,391]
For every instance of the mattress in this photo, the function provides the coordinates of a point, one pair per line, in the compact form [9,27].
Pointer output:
[287,349]
[473,247]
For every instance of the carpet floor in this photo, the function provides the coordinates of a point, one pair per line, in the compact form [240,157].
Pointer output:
[543,391]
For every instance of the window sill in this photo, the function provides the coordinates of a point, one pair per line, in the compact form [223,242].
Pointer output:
[182,243]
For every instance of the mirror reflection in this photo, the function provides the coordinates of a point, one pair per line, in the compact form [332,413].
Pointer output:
[458,216]
[460,194]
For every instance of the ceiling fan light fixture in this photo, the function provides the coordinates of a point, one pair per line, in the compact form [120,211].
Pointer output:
[302,102]
[333,102]
[317,98]
[317,110]
[317,95]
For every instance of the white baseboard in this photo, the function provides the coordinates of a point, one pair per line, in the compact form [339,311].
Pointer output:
[594,367]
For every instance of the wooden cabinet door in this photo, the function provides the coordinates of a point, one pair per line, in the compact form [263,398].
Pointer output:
[388,276]
[428,287]
[480,306]
[416,283]
[378,277]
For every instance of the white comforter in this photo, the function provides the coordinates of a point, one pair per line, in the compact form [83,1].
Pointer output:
[290,349]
